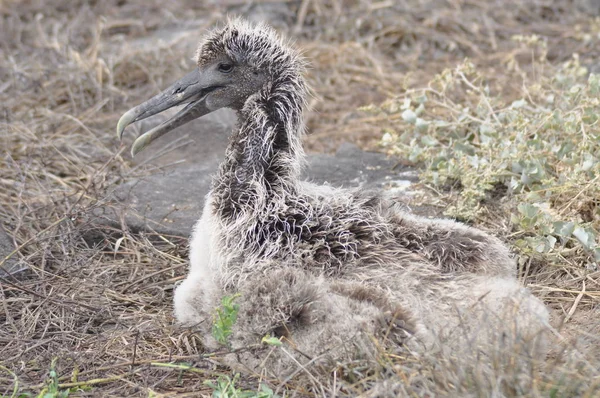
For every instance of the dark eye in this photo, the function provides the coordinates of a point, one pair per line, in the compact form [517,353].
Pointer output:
[225,67]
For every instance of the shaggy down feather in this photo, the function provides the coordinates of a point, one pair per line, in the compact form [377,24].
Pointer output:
[331,270]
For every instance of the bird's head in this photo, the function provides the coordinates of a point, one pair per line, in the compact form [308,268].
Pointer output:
[233,63]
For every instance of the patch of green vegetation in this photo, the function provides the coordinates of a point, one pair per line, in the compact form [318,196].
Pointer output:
[225,387]
[224,319]
[535,161]
[53,390]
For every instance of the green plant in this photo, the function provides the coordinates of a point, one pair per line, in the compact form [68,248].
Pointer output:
[271,340]
[224,387]
[224,319]
[534,161]
[52,390]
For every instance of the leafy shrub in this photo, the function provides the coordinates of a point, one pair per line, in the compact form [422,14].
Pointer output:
[535,159]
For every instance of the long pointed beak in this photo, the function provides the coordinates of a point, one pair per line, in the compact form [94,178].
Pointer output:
[189,90]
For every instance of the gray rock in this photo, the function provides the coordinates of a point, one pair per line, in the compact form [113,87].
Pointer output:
[170,200]
[353,167]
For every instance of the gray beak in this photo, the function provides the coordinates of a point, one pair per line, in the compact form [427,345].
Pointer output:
[189,90]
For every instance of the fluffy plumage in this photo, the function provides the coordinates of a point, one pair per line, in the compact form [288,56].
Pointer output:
[330,269]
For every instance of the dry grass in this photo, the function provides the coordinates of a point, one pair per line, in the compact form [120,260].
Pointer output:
[97,300]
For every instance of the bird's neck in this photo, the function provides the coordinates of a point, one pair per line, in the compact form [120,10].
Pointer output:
[263,161]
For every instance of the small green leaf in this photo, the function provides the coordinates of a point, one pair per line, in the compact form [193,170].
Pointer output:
[270,340]
[486,129]
[563,229]
[428,141]
[422,124]
[550,242]
[409,116]
[587,238]
[528,210]
[597,254]
[465,148]
[518,104]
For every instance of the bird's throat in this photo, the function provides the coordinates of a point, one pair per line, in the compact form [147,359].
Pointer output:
[262,163]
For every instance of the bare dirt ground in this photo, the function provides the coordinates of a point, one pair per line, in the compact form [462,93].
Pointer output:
[91,315]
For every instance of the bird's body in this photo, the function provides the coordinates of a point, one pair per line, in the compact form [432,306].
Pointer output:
[321,266]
